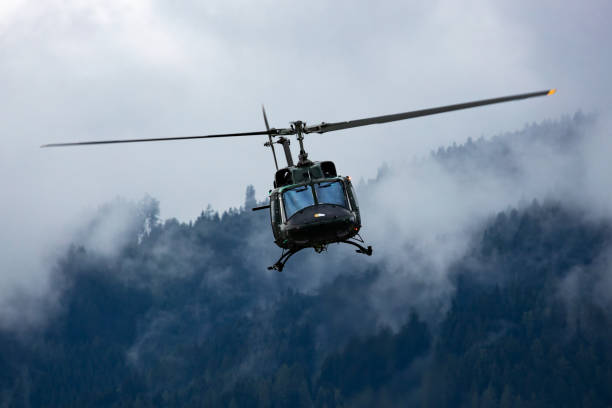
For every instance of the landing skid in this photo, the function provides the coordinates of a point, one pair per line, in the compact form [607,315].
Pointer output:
[280,264]
[362,250]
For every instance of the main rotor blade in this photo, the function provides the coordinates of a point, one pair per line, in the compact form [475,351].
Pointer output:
[263,110]
[329,127]
[160,139]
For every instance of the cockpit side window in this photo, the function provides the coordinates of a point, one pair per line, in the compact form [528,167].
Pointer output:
[330,193]
[353,195]
[296,199]
[274,209]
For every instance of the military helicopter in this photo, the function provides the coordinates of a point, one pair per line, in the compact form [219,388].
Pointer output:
[311,205]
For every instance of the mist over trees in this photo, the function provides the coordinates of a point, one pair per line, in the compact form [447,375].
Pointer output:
[164,313]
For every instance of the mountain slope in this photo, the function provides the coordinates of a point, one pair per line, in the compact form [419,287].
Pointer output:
[176,314]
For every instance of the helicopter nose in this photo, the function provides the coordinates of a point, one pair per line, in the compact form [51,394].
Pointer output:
[321,213]
[321,223]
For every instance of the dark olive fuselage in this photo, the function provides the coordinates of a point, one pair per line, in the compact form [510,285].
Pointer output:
[320,208]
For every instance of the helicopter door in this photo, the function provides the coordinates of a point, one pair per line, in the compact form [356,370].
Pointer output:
[353,200]
[275,214]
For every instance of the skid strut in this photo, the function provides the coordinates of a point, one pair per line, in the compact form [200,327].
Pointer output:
[280,264]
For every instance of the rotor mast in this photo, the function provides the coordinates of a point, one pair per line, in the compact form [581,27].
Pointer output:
[299,128]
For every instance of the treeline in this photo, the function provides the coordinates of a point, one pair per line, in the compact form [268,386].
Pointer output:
[514,335]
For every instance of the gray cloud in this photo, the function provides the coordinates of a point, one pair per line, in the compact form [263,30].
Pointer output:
[73,70]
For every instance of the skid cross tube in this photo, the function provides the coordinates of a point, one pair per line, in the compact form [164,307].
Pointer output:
[286,254]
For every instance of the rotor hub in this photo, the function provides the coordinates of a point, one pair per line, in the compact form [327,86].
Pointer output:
[299,128]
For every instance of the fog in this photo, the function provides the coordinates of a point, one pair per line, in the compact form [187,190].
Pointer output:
[425,215]
[74,70]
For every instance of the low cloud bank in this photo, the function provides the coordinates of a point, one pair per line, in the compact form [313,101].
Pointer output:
[421,216]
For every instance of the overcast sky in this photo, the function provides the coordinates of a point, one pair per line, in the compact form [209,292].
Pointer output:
[73,70]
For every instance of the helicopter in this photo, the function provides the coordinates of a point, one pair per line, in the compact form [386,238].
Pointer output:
[311,205]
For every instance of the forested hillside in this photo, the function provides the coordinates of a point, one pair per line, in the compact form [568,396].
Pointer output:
[186,314]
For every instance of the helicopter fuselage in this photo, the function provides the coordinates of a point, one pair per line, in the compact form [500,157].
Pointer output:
[312,206]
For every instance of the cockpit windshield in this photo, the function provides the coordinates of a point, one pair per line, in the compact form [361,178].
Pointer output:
[330,193]
[298,198]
